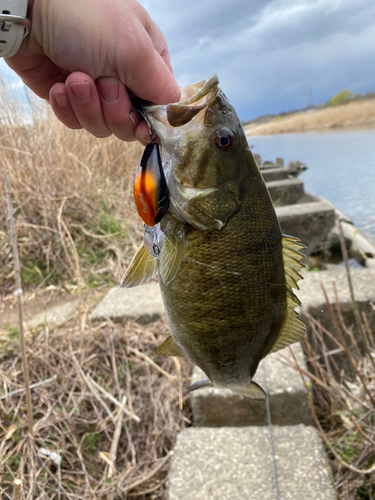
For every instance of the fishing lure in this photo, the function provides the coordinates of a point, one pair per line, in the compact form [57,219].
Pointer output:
[151,193]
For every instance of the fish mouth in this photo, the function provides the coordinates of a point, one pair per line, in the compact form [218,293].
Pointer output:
[192,94]
[194,98]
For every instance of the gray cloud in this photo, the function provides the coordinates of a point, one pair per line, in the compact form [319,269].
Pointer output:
[265,52]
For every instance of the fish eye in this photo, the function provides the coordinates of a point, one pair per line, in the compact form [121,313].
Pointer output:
[224,139]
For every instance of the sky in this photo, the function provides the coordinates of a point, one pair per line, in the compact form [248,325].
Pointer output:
[268,52]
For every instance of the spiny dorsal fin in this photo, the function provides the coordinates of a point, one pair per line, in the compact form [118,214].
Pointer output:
[293,328]
[168,348]
[141,269]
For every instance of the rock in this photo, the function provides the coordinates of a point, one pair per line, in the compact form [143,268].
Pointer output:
[142,303]
[232,463]
[370,263]
[285,192]
[311,222]
[214,407]
[296,167]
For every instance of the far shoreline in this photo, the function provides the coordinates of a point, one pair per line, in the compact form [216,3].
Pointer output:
[354,115]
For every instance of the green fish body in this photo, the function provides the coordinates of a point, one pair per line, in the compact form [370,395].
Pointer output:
[226,271]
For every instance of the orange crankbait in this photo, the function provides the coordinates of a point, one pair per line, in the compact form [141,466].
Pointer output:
[151,191]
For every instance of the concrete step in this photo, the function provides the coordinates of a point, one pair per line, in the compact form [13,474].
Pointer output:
[214,407]
[232,463]
[285,192]
[314,303]
[311,222]
[143,304]
[274,174]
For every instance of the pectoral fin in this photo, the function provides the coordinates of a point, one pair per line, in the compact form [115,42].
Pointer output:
[173,249]
[168,348]
[141,269]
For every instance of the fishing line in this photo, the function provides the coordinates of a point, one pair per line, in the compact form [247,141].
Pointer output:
[271,432]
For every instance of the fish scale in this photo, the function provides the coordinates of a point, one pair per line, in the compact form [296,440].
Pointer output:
[226,272]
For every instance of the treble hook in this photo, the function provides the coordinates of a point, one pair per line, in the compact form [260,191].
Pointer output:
[151,130]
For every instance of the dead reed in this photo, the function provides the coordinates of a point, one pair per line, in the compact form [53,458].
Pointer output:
[106,412]
[72,195]
[352,114]
[343,400]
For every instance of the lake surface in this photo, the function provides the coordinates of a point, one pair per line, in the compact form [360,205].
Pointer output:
[341,167]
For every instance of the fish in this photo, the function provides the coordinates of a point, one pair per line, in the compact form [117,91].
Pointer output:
[226,271]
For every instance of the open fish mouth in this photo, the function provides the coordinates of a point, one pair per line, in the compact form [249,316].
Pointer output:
[194,98]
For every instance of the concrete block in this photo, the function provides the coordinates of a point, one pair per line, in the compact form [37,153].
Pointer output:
[314,303]
[236,464]
[311,222]
[142,303]
[54,314]
[279,162]
[274,174]
[285,192]
[214,407]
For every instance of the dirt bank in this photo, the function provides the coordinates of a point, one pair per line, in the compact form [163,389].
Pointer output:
[353,114]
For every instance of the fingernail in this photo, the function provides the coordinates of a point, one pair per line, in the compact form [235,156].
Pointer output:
[61,97]
[109,89]
[81,91]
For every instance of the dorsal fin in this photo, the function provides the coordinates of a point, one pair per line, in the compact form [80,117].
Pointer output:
[142,269]
[293,328]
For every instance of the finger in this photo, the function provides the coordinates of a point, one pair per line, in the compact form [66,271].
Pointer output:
[151,78]
[142,133]
[85,102]
[116,108]
[60,104]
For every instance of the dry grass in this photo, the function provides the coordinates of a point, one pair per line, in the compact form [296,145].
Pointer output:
[352,114]
[90,443]
[343,402]
[72,195]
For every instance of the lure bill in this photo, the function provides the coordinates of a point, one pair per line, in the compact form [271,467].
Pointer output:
[151,192]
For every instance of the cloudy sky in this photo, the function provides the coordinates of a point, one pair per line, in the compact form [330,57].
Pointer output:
[266,51]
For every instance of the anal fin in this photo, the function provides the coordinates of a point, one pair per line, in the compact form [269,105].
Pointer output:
[168,348]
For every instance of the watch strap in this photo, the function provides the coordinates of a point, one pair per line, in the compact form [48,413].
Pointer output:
[14,26]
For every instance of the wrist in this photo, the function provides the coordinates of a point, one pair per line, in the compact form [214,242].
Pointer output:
[14,26]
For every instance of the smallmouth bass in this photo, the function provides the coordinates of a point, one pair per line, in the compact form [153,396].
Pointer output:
[226,271]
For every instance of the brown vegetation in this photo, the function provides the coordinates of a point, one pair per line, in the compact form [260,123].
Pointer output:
[104,409]
[72,195]
[352,114]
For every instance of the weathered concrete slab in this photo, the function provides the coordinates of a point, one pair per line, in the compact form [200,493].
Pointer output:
[311,222]
[236,464]
[274,174]
[214,407]
[313,302]
[285,192]
[142,303]
[55,314]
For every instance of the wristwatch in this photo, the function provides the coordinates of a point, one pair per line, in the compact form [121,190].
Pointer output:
[14,26]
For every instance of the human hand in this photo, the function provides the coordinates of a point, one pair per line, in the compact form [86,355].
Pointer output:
[86,56]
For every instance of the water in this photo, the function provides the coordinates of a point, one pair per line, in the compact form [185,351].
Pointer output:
[341,167]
